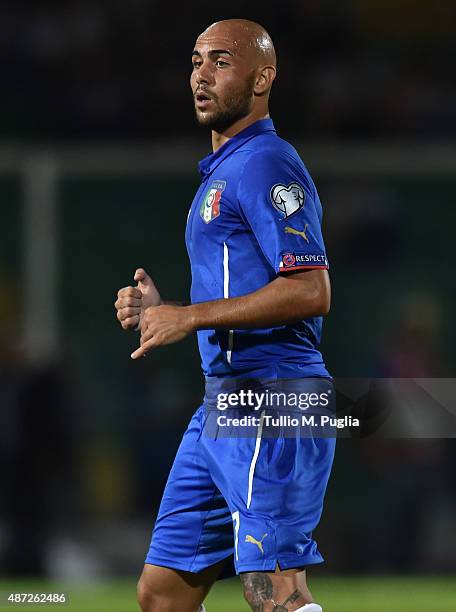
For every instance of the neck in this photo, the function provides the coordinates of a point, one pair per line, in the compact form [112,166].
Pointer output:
[219,138]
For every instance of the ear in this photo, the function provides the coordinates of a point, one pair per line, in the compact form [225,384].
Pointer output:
[264,80]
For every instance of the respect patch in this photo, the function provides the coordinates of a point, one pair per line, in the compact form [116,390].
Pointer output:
[290,261]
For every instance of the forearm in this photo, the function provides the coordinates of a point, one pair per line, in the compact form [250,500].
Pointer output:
[284,300]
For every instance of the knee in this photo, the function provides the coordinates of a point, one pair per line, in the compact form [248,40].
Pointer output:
[150,598]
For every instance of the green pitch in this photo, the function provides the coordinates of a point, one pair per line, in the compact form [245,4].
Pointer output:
[336,594]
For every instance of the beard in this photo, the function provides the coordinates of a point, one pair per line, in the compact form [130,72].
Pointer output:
[235,107]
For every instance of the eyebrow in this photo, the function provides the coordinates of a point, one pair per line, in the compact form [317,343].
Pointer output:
[214,52]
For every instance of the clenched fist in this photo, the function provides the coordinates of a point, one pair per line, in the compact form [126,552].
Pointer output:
[132,302]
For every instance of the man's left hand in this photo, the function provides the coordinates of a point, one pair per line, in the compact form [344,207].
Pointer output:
[162,325]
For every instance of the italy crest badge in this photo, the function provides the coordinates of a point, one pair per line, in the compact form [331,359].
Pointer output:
[210,207]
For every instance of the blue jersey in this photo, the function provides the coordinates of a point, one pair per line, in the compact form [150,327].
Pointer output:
[255,215]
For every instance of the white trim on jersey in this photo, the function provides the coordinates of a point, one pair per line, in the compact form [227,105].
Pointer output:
[226,294]
[236,524]
[254,459]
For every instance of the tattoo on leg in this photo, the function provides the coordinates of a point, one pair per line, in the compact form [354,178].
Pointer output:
[258,590]
[290,599]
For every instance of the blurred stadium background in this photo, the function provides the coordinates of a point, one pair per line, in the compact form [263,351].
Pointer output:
[98,156]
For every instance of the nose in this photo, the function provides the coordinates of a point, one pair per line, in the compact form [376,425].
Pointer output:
[204,75]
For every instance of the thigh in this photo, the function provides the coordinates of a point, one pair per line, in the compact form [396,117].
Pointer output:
[193,529]
[162,588]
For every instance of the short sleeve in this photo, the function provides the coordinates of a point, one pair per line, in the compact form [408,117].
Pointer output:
[279,202]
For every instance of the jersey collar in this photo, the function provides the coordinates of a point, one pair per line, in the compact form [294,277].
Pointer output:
[211,161]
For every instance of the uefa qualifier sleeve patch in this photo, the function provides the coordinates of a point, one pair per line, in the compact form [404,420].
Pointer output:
[288,200]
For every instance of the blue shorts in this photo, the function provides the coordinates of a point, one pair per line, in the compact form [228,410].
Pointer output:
[253,498]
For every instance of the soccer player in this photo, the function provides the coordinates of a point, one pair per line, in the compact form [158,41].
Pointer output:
[259,290]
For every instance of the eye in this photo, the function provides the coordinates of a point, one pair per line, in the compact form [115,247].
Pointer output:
[220,63]
[196,64]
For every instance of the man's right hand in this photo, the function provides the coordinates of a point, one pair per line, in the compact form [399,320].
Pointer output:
[132,301]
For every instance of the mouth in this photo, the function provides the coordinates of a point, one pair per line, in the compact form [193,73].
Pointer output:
[202,100]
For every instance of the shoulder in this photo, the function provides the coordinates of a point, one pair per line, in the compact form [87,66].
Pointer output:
[270,147]
[269,156]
